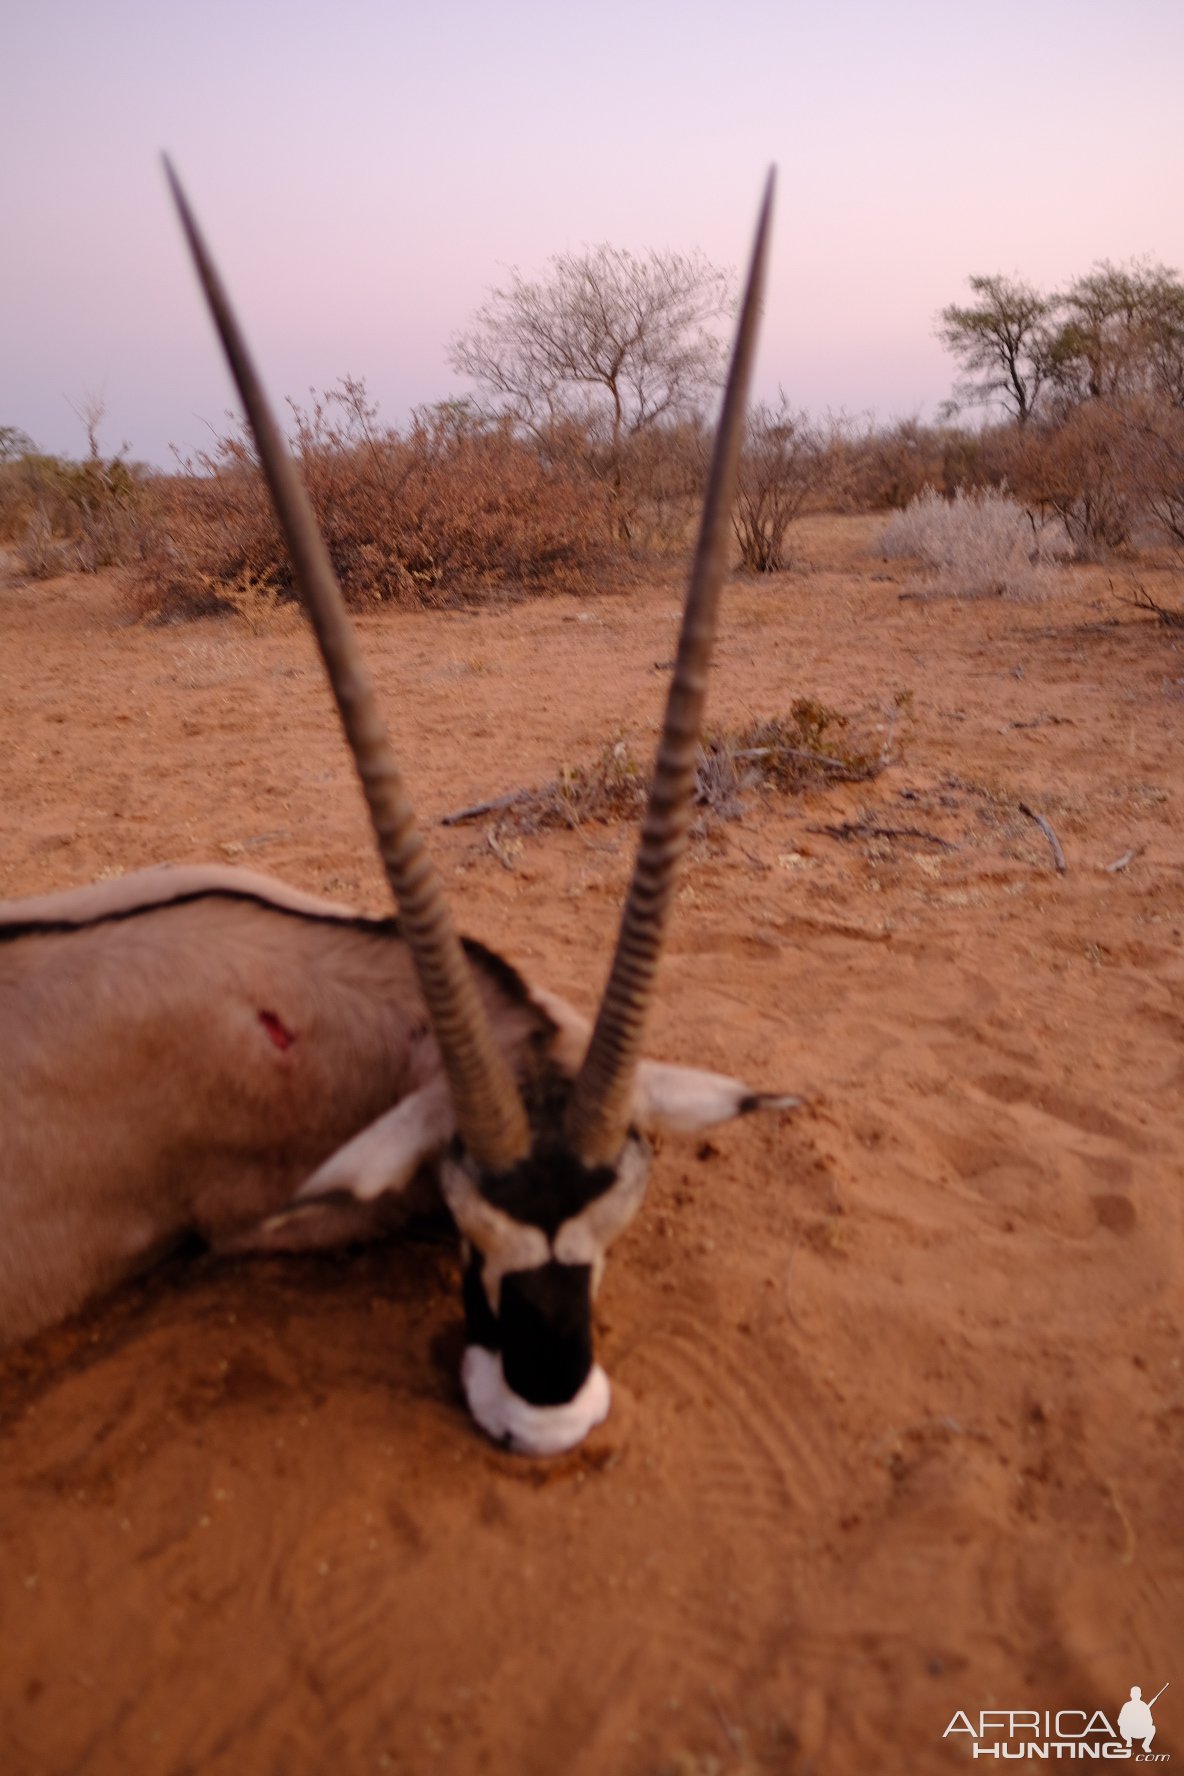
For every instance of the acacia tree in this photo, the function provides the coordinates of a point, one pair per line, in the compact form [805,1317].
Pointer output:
[613,343]
[1123,334]
[1003,342]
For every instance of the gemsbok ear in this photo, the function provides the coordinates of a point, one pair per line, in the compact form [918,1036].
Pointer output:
[668,1099]
[386,1155]
[685,1101]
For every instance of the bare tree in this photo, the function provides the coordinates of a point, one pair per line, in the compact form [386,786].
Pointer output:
[1003,341]
[91,410]
[616,343]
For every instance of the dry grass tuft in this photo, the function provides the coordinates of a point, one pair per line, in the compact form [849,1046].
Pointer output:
[258,601]
[807,749]
[613,787]
[810,747]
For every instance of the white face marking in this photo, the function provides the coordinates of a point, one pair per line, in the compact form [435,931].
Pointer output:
[527,1429]
[587,1236]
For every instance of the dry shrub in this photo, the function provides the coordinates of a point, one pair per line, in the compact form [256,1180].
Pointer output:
[783,462]
[613,787]
[258,602]
[652,480]
[809,748]
[40,553]
[876,469]
[662,472]
[451,509]
[68,517]
[978,544]
[199,537]
[1154,432]
[881,469]
[1078,471]
[1119,474]
[18,499]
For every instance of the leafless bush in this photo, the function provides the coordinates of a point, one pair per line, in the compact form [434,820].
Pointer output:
[980,544]
[18,499]
[875,469]
[258,602]
[782,463]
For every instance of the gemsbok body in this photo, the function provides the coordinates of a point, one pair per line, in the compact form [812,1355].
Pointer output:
[205,1051]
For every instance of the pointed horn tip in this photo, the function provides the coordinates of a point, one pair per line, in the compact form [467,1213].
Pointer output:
[764,221]
[170,173]
[182,204]
[763,231]
[590,1130]
[477,1060]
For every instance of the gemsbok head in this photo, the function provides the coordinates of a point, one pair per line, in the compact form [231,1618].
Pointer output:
[419,1050]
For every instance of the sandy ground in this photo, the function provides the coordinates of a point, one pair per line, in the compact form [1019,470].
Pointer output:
[899,1403]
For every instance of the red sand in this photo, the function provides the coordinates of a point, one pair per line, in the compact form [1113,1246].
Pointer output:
[899,1403]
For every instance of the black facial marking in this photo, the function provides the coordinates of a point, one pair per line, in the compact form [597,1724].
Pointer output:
[480,1323]
[547,1188]
[546,1331]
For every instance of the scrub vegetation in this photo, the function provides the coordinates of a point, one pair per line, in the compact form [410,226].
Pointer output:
[581,453]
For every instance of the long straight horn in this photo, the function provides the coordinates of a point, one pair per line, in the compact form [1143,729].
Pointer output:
[598,1111]
[489,1112]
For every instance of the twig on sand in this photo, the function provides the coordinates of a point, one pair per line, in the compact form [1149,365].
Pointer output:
[731,1732]
[1058,856]
[478,808]
[1130,1539]
[1142,600]
[866,829]
[1120,863]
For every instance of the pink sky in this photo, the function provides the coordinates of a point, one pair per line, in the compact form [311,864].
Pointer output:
[365,171]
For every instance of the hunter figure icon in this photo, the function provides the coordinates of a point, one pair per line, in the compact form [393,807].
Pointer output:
[1135,1722]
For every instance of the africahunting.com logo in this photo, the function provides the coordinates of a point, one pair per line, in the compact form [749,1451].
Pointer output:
[1015,1733]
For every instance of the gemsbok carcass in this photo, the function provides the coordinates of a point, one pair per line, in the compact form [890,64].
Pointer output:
[204,1051]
